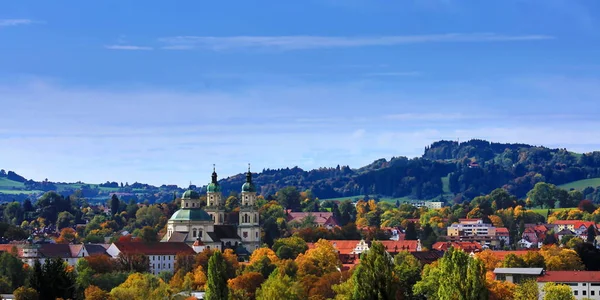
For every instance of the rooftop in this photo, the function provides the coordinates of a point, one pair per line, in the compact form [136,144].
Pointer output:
[570,276]
[523,271]
[156,248]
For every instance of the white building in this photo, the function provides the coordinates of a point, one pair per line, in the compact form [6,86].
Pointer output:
[70,253]
[161,256]
[584,284]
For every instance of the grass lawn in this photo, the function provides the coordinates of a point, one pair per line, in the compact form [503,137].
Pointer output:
[581,184]
[544,211]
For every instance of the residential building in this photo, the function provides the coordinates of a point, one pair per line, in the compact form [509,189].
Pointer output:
[161,255]
[321,219]
[534,235]
[579,227]
[475,230]
[583,284]
[70,253]
[427,204]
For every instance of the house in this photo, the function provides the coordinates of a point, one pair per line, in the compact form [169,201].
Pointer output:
[70,253]
[394,247]
[321,219]
[500,255]
[161,255]
[579,227]
[583,284]
[349,250]
[563,233]
[503,235]
[470,247]
[475,230]
[517,275]
[533,236]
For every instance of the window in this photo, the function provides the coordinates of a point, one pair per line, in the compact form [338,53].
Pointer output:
[255,218]
[592,293]
[186,204]
[193,204]
[257,234]
[159,258]
[200,234]
[194,232]
[584,292]
[245,234]
[575,293]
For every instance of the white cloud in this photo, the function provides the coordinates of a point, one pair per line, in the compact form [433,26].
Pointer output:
[14,22]
[128,47]
[316,42]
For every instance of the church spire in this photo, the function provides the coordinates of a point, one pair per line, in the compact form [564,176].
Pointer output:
[214,175]
[249,175]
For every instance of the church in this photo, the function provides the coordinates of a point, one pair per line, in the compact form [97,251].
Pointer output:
[205,227]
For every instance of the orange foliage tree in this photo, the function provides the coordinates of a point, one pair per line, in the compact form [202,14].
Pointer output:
[67,235]
[245,285]
[101,263]
[93,292]
[490,260]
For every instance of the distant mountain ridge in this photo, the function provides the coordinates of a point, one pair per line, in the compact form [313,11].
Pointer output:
[447,169]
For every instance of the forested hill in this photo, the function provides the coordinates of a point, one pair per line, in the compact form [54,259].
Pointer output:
[447,169]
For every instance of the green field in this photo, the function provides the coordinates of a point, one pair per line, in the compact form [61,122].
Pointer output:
[6,184]
[581,184]
[544,211]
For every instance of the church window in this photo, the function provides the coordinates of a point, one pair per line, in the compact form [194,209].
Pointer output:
[255,217]
[193,204]
[245,234]
[257,234]
[186,204]
[200,234]
[194,232]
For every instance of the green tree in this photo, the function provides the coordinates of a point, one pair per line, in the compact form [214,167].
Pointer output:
[526,290]
[84,276]
[13,213]
[513,261]
[12,269]
[289,248]
[428,286]
[591,234]
[289,198]
[411,231]
[280,287]
[555,291]
[374,276]
[148,234]
[543,194]
[115,203]
[65,219]
[216,287]
[407,270]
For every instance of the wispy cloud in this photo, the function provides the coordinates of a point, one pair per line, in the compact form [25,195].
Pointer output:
[316,42]
[14,22]
[128,47]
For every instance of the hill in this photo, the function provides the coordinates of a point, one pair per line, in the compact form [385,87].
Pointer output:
[447,168]
[580,185]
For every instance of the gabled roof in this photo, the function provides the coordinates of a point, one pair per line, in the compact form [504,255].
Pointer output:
[75,249]
[321,218]
[178,237]
[55,250]
[565,232]
[96,249]
[575,223]
[397,246]
[501,231]
[427,257]
[570,276]
[155,248]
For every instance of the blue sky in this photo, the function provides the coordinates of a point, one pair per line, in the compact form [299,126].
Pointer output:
[158,91]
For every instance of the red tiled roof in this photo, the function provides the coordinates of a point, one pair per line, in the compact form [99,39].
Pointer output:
[321,218]
[9,247]
[397,246]
[570,276]
[575,223]
[344,247]
[502,230]
[466,246]
[156,248]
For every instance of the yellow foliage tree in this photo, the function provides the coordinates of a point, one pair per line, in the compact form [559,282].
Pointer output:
[322,259]
[561,259]
[489,259]
[93,292]
[260,252]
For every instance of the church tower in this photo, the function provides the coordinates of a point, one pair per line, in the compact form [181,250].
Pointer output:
[249,229]
[215,206]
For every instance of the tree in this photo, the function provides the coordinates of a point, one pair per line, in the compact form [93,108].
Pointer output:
[376,265]
[586,206]
[456,276]
[148,234]
[320,260]
[245,285]
[141,287]
[490,261]
[591,234]
[13,213]
[133,262]
[67,236]
[500,290]
[95,293]
[543,194]
[115,203]
[216,287]
[289,248]
[411,231]
[555,291]
[289,198]
[100,263]
[407,270]
[280,287]
[526,290]
[65,219]
[25,293]
[560,259]
[53,280]
[513,261]
[533,259]
[11,268]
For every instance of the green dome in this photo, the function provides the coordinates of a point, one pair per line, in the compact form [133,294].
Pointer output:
[248,187]
[213,188]
[190,194]
[191,214]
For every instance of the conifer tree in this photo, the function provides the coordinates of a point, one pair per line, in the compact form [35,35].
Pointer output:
[216,287]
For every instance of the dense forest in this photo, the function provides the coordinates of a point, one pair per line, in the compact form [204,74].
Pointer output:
[447,169]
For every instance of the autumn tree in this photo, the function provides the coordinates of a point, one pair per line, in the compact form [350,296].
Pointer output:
[67,236]
[513,261]
[133,262]
[533,259]
[216,287]
[526,290]
[560,259]
[556,291]
[26,293]
[101,263]
[280,287]
[95,293]
[245,286]
[141,287]
[490,261]
[407,270]
[322,259]
[376,265]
